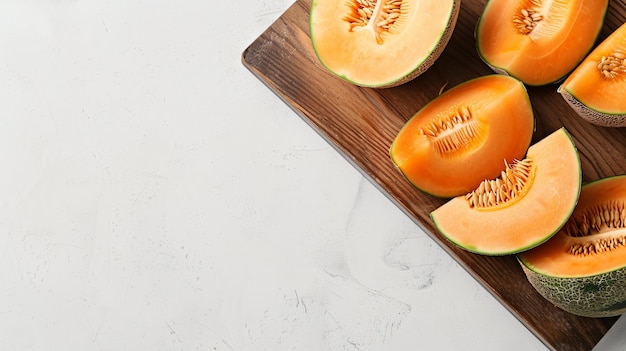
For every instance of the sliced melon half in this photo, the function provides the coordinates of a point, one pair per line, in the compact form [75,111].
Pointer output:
[538,41]
[524,207]
[582,269]
[596,89]
[381,43]
[464,135]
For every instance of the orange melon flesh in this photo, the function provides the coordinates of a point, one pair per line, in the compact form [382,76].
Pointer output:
[503,113]
[552,258]
[528,220]
[410,47]
[556,45]
[591,88]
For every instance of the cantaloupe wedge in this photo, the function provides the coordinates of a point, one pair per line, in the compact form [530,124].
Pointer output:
[465,135]
[531,200]
[596,89]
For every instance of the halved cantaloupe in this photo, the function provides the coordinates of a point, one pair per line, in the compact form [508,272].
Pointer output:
[381,43]
[582,269]
[596,89]
[538,41]
[464,136]
[524,207]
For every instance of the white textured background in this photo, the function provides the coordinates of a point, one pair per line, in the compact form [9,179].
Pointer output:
[154,195]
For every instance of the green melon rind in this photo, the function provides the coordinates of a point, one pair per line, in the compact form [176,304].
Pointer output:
[602,295]
[591,115]
[420,68]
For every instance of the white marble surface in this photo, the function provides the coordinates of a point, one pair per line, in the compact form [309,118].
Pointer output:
[156,196]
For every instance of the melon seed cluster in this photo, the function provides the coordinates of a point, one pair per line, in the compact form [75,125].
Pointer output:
[597,246]
[527,18]
[508,186]
[613,65]
[598,219]
[362,13]
[454,132]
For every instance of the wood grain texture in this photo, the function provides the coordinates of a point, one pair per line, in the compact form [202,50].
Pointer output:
[361,123]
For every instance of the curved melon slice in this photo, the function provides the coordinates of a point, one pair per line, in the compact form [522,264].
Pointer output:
[463,136]
[582,269]
[529,203]
[381,43]
[597,87]
[538,41]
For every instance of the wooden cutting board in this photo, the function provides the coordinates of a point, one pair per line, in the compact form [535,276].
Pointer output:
[361,124]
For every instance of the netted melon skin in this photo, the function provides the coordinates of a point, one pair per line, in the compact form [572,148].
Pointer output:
[602,295]
[590,115]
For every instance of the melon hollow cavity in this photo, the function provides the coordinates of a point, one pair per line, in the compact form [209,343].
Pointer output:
[511,186]
[379,16]
[455,133]
[530,18]
[380,43]
[600,228]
